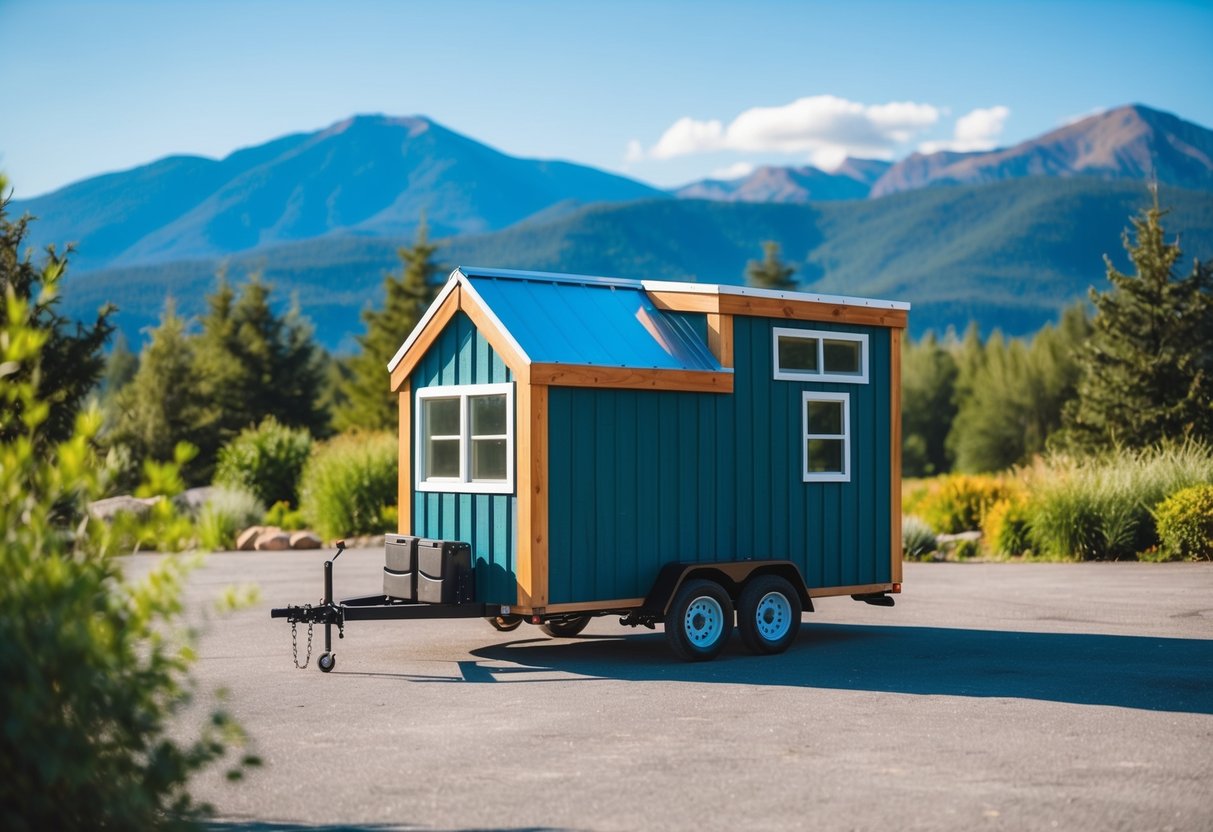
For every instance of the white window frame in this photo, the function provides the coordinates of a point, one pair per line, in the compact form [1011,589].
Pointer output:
[805,436]
[463,484]
[822,336]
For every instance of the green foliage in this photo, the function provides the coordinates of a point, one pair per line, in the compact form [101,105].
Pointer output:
[369,403]
[228,512]
[917,539]
[770,272]
[94,668]
[1147,370]
[267,460]
[928,387]
[957,502]
[70,358]
[1005,528]
[161,405]
[281,515]
[1185,523]
[250,363]
[348,482]
[1098,508]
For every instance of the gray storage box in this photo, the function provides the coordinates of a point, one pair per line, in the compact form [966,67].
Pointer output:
[444,572]
[400,570]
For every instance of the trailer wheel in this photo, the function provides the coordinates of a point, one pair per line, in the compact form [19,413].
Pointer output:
[768,614]
[327,662]
[565,627]
[505,623]
[700,620]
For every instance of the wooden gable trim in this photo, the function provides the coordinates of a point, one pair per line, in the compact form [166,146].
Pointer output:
[685,301]
[425,339]
[631,378]
[469,304]
[720,338]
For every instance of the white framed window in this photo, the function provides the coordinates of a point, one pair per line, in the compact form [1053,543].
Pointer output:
[827,437]
[464,438]
[814,355]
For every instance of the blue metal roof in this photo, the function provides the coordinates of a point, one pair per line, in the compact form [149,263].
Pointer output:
[583,320]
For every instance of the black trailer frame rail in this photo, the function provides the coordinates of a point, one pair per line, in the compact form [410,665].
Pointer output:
[367,608]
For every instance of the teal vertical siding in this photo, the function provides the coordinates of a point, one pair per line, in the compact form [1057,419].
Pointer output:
[486,521]
[643,478]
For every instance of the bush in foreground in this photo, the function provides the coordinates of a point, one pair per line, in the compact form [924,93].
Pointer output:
[917,539]
[347,484]
[957,502]
[1185,523]
[267,460]
[92,675]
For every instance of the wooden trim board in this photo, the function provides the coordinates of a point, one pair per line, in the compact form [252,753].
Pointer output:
[720,338]
[631,378]
[799,310]
[404,468]
[426,339]
[895,452]
[531,552]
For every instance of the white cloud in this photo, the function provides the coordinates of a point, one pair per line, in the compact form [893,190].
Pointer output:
[635,152]
[824,127]
[734,171]
[977,130]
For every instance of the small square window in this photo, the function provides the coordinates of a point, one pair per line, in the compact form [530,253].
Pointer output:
[465,438]
[827,437]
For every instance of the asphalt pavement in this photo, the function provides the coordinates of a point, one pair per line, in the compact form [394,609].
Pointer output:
[993,696]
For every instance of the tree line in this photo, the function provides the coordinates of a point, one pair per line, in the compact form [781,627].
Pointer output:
[1134,369]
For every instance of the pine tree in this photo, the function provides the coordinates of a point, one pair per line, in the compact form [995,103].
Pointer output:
[1147,369]
[770,272]
[161,405]
[250,363]
[71,360]
[367,399]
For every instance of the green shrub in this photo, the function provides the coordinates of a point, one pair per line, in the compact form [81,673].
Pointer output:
[348,482]
[267,460]
[1185,523]
[284,517]
[1005,526]
[1101,507]
[228,512]
[917,539]
[956,503]
[94,667]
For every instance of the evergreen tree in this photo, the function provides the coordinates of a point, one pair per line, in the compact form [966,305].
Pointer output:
[249,364]
[1147,369]
[161,405]
[368,401]
[928,387]
[71,360]
[770,272]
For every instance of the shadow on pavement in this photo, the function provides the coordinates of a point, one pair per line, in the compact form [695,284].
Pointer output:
[1159,674]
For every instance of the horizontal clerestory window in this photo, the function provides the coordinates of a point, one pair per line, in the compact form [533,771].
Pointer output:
[813,355]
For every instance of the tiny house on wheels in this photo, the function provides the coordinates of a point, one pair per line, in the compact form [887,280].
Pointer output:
[676,453]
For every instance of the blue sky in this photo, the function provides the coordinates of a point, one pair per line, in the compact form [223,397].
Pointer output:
[667,92]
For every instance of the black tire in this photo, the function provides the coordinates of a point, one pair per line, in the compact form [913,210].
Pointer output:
[700,621]
[768,614]
[565,627]
[505,623]
[326,662]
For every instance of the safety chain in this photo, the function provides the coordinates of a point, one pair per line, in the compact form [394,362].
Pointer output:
[295,642]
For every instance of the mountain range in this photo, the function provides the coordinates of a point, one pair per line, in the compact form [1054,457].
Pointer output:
[1005,237]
